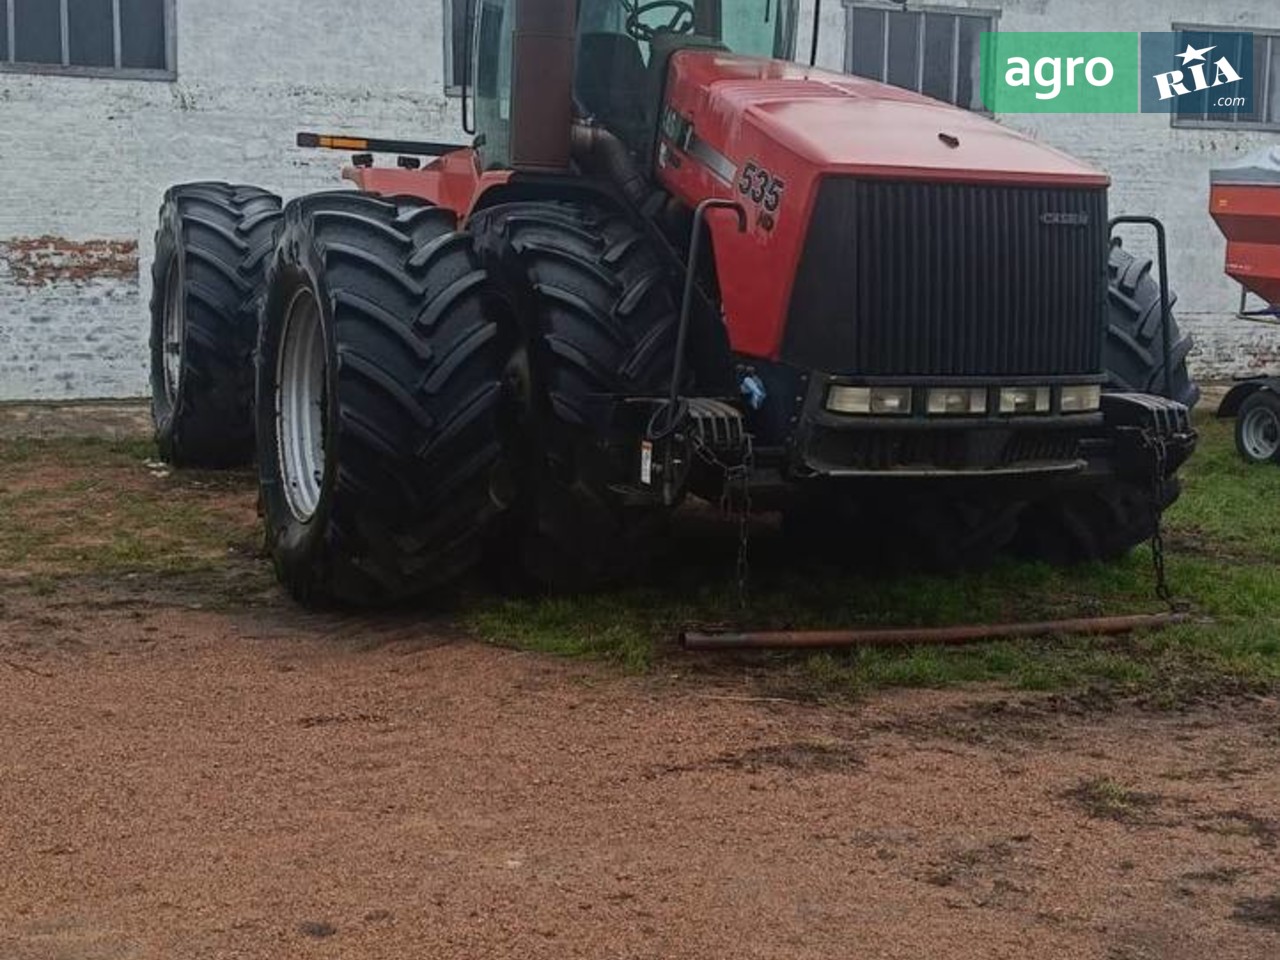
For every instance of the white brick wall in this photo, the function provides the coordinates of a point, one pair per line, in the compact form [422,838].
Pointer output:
[86,161]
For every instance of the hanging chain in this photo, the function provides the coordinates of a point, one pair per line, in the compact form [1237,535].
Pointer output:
[737,479]
[1159,448]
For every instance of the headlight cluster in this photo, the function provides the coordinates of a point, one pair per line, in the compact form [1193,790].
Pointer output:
[881,401]
[1081,399]
[963,401]
[1025,400]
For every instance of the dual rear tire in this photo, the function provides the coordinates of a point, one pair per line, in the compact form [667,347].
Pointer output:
[424,404]
[599,320]
[208,280]
[381,412]
[425,398]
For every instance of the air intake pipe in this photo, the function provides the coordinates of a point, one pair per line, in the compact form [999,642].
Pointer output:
[600,152]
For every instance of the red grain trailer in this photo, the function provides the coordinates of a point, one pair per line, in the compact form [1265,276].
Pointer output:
[1244,200]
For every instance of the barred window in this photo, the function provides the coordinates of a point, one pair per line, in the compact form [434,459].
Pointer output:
[936,51]
[120,38]
[1264,112]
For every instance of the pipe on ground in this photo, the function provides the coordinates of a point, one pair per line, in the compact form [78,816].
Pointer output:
[925,636]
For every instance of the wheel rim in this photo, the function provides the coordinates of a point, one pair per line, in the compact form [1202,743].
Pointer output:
[175,324]
[301,372]
[1260,433]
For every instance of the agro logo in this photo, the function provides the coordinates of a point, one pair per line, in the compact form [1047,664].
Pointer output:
[1175,83]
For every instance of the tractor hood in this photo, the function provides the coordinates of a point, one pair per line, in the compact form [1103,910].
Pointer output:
[836,123]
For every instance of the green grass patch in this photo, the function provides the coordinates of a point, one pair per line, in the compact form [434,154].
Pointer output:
[77,506]
[74,507]
[1224,541]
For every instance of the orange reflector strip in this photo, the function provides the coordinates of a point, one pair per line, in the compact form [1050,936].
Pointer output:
[343,143]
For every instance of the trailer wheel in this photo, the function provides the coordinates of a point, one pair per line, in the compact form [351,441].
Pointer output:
[1133,355]
[208,278]
[381,411]
[1258,428]
[1099,524]
[602,321]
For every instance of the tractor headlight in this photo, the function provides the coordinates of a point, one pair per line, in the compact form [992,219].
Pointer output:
[1024,400]
[1081,399]
[877,401]
[958,400]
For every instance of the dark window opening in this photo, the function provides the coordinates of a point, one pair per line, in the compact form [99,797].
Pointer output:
[1264,113]
[129,38]
[934,51]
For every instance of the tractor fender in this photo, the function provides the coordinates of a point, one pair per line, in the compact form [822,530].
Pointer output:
[1242,391]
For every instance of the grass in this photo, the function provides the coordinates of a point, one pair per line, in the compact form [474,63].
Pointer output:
[73,508]
[1224,544]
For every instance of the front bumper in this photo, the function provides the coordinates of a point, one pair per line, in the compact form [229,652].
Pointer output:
[1115,441]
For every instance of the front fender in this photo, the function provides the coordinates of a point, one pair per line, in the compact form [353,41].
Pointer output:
[1242,391]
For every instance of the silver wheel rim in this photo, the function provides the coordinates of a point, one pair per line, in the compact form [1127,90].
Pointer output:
[1260,433]
[175,323]
[301,370]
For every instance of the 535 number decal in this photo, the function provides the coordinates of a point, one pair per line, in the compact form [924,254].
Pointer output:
[761,187]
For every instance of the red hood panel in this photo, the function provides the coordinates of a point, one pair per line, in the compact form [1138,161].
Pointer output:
[765,133]
[844,124]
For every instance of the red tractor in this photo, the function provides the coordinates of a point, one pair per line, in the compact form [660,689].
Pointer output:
[671,263]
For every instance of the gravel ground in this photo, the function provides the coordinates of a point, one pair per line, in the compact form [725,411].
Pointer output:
[180,782]
[191,767]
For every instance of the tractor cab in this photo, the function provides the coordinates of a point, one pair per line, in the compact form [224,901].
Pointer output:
[618,52]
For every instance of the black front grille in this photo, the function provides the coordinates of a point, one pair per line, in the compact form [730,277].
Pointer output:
[937,279]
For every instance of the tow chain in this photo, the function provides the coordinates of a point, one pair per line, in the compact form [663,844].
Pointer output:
[736,477]
[1159,448]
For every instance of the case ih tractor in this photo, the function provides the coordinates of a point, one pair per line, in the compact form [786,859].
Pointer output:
[672,263]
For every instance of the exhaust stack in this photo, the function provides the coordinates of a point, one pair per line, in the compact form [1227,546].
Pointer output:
[542,85]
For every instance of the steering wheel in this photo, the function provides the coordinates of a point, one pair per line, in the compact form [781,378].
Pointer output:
[681,20]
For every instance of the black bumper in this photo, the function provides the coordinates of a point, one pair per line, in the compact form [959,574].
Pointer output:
[1118,441]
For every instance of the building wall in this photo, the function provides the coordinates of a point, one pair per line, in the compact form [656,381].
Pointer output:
[87,160]
[1156,169]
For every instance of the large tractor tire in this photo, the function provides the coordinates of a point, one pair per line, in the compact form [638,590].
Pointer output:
[600,320]
[382,411]
[1100,524]
[936,534]
[1134,352]
[1107,522]
[208,279]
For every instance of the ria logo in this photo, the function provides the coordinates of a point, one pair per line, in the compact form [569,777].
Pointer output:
[1058,218]
[1194,76]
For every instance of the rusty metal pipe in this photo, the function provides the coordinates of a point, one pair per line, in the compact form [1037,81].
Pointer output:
[925,636]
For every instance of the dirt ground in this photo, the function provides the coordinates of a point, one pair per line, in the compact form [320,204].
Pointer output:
[204,783]
[192,767]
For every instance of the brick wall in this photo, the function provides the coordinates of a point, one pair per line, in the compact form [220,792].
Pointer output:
[86,162]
